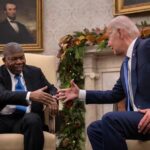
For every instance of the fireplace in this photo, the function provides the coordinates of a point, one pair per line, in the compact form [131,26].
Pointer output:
[101,70]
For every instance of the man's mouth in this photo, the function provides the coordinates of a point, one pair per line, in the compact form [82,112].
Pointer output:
[20,67]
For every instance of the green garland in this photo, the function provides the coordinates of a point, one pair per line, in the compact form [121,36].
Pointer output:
[71,137]
[72,49]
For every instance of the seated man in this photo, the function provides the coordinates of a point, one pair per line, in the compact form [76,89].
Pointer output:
[114,128]
[23,91]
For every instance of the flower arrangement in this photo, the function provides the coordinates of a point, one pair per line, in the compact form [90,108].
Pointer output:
[144,28]
[80,40]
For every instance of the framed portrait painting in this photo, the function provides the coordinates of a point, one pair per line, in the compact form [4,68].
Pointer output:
[130,6]
[21,22]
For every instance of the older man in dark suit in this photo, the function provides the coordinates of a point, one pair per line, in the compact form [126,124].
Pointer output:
[110,132]
[23,91]
[12,30]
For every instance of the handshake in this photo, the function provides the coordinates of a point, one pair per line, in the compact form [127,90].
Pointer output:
[50,101]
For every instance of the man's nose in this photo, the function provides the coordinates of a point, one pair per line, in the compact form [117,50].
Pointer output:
[18,60]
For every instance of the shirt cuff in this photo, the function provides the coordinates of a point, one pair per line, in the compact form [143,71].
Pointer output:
[28,98]
[28,109]
[82,95]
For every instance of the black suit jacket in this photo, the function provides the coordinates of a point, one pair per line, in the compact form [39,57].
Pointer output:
[140,77]
[34,79]
[8,34]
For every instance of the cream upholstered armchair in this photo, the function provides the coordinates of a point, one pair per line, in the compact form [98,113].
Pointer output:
[15,141]
[138,145]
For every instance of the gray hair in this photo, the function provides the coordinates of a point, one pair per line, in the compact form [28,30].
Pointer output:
[11,48]
[123,22]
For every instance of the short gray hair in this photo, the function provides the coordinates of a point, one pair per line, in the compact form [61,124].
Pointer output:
[11,48]
[124,22]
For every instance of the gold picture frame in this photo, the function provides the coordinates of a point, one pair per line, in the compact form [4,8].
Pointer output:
[29,14]
[130,6]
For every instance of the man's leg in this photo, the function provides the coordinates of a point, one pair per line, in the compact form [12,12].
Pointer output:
[110,132]
[6,123]
[31,126]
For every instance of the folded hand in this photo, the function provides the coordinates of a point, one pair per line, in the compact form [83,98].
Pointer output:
[144,124]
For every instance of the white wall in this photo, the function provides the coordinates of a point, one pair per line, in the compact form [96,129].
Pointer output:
[62,17]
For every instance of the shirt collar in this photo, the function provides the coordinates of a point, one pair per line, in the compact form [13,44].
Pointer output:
[130,48]
[10,21]
[13,75]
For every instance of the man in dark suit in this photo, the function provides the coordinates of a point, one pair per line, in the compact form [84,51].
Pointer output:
[23,91]
[12,30]
[110,132]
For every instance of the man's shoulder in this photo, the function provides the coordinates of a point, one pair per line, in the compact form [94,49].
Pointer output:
[3,23]
[143,40]
[32,71]
[3,70]
[31,68]
[21,25]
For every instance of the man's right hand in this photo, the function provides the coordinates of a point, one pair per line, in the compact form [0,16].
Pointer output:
[42,97]
[69,93]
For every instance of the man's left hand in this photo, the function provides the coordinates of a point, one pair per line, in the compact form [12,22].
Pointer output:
[144,124]
[53,107]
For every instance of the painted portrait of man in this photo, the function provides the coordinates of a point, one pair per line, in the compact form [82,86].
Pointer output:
[18,21]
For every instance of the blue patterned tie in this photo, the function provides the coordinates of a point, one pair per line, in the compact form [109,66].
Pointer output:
[20,87]
[125,67]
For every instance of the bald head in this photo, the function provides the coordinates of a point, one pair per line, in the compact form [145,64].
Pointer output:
[11,48]
[125,23]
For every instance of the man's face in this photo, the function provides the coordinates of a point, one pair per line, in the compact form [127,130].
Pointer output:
[116,42]
[15,62]
[11,11]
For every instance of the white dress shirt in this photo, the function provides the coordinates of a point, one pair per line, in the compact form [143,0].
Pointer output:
[14,25]
[129,54]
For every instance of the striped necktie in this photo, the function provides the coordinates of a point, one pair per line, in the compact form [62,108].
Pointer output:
[20,87]
[125,68]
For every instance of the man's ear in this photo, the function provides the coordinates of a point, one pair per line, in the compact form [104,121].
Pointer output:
[3,59]
[121,33]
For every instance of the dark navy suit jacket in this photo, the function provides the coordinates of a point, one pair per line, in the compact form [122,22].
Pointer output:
[140,76]
[34,80]
[8,34]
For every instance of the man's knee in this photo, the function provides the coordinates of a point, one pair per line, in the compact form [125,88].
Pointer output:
[90,129]
[32,119]
[93,127]
[108,117]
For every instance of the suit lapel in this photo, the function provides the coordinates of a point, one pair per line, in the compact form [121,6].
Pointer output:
[123,77]
[7,79]
[10,28]
[133,67]
[27,79]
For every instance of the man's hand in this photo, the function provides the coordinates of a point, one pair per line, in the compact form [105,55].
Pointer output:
[69,93]
[53,107]
[42,97]
[144,124]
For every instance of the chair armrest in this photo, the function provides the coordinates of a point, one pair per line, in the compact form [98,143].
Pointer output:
[49,120]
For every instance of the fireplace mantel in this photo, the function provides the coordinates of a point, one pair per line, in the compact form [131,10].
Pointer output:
[101,70]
